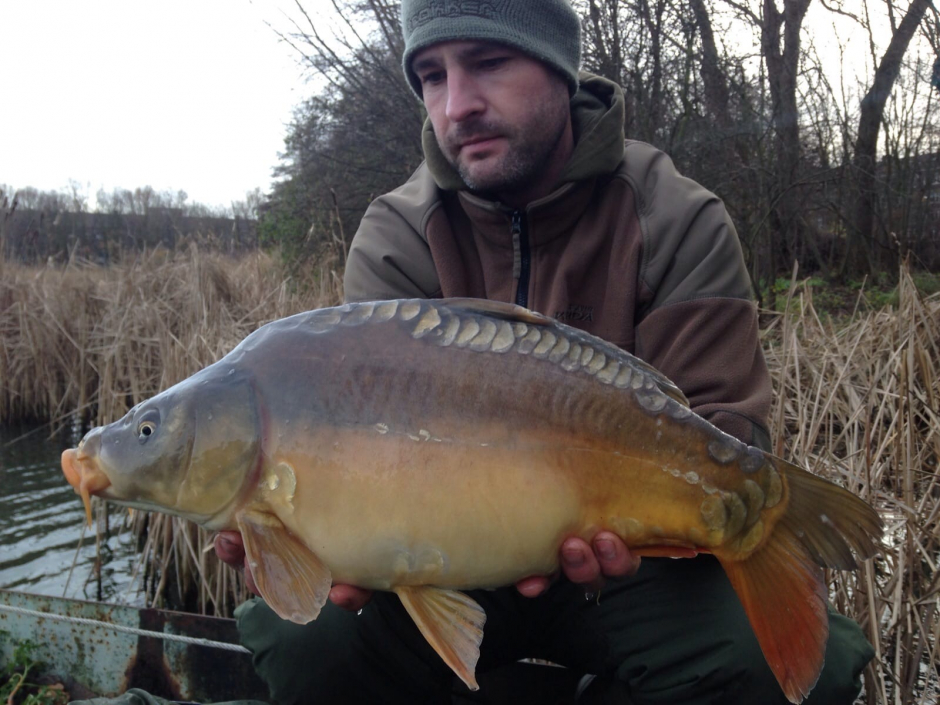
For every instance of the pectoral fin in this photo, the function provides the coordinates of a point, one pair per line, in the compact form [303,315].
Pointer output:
[292,580]
[451,622]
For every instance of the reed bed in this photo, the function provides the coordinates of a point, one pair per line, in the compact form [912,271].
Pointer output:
[84,343]
[855,401]
[96,340]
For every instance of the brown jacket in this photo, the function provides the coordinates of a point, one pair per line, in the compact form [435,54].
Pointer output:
[626,248]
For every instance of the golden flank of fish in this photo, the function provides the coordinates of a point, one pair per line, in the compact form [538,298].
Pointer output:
[426,447]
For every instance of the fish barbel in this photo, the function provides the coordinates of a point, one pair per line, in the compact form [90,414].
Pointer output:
[431,446]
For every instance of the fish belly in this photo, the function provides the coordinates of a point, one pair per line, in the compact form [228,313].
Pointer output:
[385,509]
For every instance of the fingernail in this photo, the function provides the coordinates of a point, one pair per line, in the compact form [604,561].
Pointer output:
[573,557]
[605,547]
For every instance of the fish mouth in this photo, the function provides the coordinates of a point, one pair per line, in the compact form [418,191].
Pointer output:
[84,475]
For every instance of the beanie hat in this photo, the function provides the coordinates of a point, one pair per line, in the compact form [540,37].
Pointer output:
[548,30]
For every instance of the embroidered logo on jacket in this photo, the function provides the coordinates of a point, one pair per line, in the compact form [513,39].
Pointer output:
[487,9]
[574,312]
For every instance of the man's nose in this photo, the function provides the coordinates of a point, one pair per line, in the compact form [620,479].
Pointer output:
[464,98]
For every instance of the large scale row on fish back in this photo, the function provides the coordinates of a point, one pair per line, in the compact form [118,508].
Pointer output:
[426,447]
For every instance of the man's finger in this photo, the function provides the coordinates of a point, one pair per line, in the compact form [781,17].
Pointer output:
[533,586]
[230,548]
[350,597]
[613,556]
[578,562]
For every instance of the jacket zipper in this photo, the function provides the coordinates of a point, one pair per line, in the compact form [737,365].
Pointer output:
[519,230]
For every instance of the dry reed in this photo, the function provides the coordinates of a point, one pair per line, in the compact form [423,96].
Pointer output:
[93,341]
[100,339]
[856,402]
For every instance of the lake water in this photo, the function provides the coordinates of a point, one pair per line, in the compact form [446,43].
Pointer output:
[42,520]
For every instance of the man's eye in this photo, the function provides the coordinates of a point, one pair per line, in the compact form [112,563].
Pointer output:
[432,78]
[493,62]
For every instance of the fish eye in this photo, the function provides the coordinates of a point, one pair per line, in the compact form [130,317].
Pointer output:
[145,430]
[147,424]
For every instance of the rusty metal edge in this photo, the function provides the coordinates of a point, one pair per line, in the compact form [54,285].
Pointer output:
[98,661]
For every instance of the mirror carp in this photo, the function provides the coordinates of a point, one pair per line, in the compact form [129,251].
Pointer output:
[426,447]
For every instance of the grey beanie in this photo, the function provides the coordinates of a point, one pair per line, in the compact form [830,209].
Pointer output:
[548,30]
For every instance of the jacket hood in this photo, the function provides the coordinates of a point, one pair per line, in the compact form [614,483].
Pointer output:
[597,115]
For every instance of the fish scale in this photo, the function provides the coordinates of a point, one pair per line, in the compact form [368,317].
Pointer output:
[432,446]
[565,346]
[569,348]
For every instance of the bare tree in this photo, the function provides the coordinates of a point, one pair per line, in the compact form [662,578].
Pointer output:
[359,137]
[780,45]
[859,256]
[717,96]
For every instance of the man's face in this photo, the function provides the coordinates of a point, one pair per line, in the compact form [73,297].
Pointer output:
[499,116]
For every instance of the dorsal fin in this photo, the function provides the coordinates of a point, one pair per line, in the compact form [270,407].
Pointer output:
[512,312]
[498,309]
[666,385]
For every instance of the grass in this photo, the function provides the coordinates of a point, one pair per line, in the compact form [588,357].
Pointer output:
[16,679]
[856,400]
[841,301]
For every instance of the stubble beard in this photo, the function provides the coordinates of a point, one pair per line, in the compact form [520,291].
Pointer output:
[531,147]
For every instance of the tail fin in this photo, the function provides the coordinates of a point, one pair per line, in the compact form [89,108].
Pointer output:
[781,584]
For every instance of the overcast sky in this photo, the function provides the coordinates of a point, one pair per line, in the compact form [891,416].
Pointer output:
[175,94]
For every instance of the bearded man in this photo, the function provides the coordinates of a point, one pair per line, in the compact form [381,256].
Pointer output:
[530,194]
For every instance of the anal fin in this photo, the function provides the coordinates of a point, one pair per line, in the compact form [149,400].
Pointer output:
[667,551]
[290,577]
[451,622]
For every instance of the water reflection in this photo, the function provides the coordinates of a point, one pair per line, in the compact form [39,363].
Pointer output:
[41,521]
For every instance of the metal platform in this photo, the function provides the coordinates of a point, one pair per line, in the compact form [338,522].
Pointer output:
[96,660]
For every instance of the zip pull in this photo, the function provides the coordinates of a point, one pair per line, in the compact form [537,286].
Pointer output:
[516,245]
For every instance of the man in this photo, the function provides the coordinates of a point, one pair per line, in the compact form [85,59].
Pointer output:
[530,194]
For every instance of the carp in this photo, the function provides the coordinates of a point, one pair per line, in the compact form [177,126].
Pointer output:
[426,447]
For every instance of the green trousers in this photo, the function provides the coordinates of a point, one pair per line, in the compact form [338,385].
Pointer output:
[674,633]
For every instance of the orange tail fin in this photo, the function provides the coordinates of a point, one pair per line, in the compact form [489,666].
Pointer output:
[781,584]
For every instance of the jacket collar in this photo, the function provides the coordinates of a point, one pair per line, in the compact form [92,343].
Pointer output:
[546,219]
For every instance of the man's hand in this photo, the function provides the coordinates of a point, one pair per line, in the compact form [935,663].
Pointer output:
[587,564]
[230,548]
[582,563]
